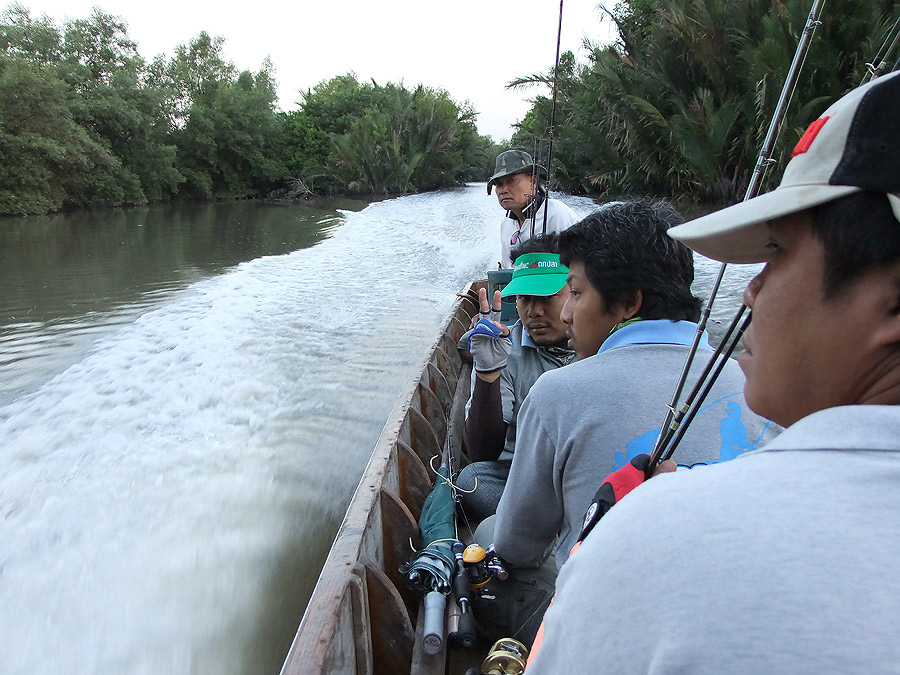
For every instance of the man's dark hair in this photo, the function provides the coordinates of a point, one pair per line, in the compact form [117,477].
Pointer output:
[860,234]
[540,243]
[624,248]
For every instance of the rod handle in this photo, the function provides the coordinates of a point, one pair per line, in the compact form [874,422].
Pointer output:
[466,633]
[433,633]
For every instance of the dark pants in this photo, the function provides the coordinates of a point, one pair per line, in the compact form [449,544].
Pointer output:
[481,486]
[518,604]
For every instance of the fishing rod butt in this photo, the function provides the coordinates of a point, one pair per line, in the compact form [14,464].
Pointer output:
[433,629]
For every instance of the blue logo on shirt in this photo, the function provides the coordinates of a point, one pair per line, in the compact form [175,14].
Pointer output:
[734,439]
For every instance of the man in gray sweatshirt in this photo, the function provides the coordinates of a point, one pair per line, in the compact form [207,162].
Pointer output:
[631,319]
[784,560]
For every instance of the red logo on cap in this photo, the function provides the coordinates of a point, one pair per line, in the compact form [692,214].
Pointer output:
[533,266]
[809,135]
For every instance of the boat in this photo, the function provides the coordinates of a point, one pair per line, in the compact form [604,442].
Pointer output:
[362,617]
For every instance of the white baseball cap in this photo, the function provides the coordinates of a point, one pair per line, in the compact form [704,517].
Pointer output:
[853,146]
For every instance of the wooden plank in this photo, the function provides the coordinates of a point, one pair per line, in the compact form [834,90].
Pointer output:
[362,634]
[415,479]
[449,368]
[423,439]
[400,537]
[433,409]
[392,631]
[437,382]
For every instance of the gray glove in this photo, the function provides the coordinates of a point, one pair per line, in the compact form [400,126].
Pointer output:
[489,347]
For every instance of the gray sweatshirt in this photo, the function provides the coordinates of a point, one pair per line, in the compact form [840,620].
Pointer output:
[581,422]
[781,562]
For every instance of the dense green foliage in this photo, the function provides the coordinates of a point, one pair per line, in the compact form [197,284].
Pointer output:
[677,106]
[680,103]
[84,120]
[366,138]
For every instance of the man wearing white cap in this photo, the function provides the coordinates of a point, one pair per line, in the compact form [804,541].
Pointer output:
[784,560]
[518,180]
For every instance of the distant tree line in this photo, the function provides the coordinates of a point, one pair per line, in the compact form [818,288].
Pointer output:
[679,104]
[85,120]
[676,106]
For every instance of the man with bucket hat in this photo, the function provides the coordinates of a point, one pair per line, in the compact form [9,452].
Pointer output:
[529,210]
[508,361]
[783,561]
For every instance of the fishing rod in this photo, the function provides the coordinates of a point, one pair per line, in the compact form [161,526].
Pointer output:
[674,417]
[708,379]
[538,150]
[876,66]
[553,114]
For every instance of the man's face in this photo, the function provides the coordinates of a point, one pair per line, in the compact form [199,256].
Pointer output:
[540,317]
[585,313]
[804,353]
[514,192]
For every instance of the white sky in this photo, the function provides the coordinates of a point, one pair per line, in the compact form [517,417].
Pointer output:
[472,49]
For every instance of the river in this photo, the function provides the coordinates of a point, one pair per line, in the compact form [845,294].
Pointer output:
[188,397]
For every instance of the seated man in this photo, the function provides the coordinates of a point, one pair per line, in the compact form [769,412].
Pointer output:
[783,561]
[537,343]
[631,319]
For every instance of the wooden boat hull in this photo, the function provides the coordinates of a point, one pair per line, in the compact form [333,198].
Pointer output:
[361,617]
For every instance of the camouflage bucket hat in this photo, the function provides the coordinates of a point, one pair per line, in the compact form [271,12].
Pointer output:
[514,161]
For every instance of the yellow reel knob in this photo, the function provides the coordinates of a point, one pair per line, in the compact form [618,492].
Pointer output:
[473,554]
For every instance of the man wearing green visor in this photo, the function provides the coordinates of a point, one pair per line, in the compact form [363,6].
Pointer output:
[508,361]
[632,318]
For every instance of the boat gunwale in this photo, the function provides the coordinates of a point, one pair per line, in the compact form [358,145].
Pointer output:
[362,558]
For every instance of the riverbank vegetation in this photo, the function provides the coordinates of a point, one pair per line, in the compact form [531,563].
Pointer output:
[679,104]
[676,106]
[85,120]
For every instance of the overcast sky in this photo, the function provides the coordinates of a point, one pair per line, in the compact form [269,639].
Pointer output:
[470,48]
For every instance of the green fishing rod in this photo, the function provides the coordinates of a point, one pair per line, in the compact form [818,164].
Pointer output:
[675,416]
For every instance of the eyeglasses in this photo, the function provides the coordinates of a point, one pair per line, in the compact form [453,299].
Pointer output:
[515,238]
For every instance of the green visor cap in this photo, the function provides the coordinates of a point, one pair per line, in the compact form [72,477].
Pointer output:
[537,274]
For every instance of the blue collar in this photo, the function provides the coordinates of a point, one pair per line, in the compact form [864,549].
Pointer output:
[526,338]
[659,331]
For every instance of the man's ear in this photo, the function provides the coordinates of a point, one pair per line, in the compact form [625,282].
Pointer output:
[879,305]
[888,332]
[631,304]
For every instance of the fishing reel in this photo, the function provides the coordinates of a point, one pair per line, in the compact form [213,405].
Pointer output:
[475,567]
[506,657]
[481,566]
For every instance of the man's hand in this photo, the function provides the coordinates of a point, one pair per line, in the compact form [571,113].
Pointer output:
[489,341]
[490,312]
[618,484]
